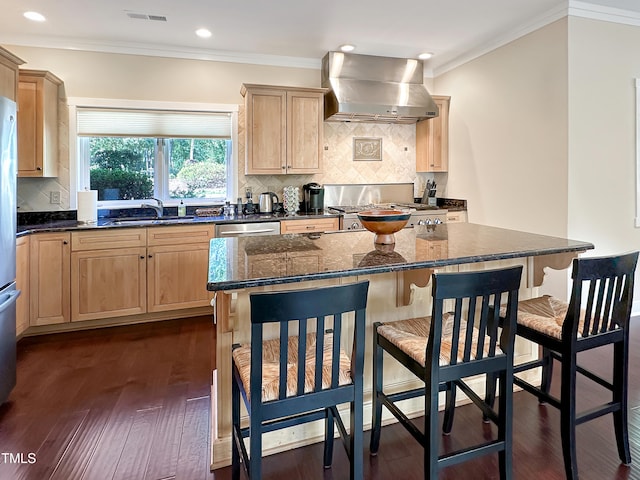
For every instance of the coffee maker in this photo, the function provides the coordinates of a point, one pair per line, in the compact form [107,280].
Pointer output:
[313,197]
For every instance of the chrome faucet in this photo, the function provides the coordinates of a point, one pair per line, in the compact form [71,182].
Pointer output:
[159,208]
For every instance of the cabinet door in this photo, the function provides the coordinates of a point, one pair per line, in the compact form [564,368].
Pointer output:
[108,283]
[49,279]
[432,140]
[29,149]
[177,276]
[38,124]
[266,131]
[304,132]
[22,284]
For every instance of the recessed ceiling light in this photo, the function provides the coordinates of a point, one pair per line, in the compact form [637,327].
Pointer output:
[203,33]
[35,16]
[347,47]
[425,56]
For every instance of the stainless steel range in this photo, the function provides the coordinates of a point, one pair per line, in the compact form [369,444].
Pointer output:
[350,199]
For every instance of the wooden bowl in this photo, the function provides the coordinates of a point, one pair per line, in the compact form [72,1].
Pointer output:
[384,223]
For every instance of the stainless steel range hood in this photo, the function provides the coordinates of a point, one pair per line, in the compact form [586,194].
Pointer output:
[367,88]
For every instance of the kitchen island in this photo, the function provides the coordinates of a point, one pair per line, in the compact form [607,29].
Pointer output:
[399,276]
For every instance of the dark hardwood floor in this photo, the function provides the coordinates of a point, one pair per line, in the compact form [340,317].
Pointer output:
[132,402]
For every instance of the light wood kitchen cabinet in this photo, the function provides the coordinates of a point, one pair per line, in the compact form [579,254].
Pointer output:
[108,273]
[49,271]
[310,225]
[457,217]
[177,267]
[283,127]
[38,93]
[22,284]
[9,74]
[432,139]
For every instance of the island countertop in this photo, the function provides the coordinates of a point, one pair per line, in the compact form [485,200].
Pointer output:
[238,262]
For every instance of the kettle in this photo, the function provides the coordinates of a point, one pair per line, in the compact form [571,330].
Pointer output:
[266,202]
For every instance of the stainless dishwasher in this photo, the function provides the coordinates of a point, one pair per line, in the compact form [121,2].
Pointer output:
[254,229]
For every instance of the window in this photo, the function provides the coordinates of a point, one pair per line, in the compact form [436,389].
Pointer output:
[130,154]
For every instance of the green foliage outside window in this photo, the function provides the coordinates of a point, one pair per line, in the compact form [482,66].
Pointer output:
[122,168]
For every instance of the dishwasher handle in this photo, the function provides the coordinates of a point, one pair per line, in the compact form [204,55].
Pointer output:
[247,232]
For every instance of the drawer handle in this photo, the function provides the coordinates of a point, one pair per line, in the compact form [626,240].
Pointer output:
[310,227]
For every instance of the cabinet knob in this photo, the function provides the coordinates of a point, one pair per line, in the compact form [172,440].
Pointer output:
[64,242]
[150,256]
[38,168]
[141,257]
[288,166]
[283,167]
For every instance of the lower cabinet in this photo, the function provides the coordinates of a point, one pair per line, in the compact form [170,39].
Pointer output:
[108,283]
[22,284]
[178,267]
[49,271]
[98,274]
[108,273]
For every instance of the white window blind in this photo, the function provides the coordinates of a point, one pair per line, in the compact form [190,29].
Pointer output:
[109,122]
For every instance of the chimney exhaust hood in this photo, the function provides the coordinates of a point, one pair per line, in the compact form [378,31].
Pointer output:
[368,88]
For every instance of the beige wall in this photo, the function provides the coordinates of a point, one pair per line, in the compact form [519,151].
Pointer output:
[508,133]
[603,66]
[508,137]
[102,75]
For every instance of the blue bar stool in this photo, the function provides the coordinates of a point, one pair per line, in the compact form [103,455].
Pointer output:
[303,374]
[597,314]
[445,348]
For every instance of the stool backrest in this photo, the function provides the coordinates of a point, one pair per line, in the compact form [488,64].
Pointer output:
[601,297]
[476,322]
[303,312]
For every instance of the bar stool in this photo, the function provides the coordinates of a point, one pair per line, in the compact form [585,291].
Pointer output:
[447,347]
[300,375]
[597,314]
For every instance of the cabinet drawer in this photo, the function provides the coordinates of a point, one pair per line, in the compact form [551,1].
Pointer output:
[456,217]
[179,234]
[309,226]
[105,239]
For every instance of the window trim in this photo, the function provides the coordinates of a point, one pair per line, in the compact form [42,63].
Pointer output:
[637,219]
[79,175]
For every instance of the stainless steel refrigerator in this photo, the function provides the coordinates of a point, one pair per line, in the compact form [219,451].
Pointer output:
[8,292]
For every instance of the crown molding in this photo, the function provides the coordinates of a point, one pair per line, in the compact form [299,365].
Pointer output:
[607,14]
[496,42]
[573,8]
[156,50]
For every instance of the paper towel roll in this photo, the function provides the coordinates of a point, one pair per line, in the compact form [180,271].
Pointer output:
[88,206]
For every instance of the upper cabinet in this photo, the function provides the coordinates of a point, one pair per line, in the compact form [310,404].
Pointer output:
[432,140]
[283,129]
[9,74]
[38,93]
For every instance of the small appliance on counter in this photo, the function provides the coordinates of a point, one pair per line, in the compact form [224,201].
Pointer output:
[249,208]
[268,202]
[313,197]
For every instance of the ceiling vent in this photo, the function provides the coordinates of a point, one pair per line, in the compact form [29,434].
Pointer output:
[144,16]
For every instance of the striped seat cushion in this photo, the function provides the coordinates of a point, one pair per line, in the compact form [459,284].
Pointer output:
[271,366]
[411,335]
[543,314]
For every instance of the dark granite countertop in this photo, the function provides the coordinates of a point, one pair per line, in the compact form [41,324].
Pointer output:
[57,224]
[257,261]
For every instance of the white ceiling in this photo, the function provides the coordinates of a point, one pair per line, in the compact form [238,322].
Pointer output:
[294,32]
